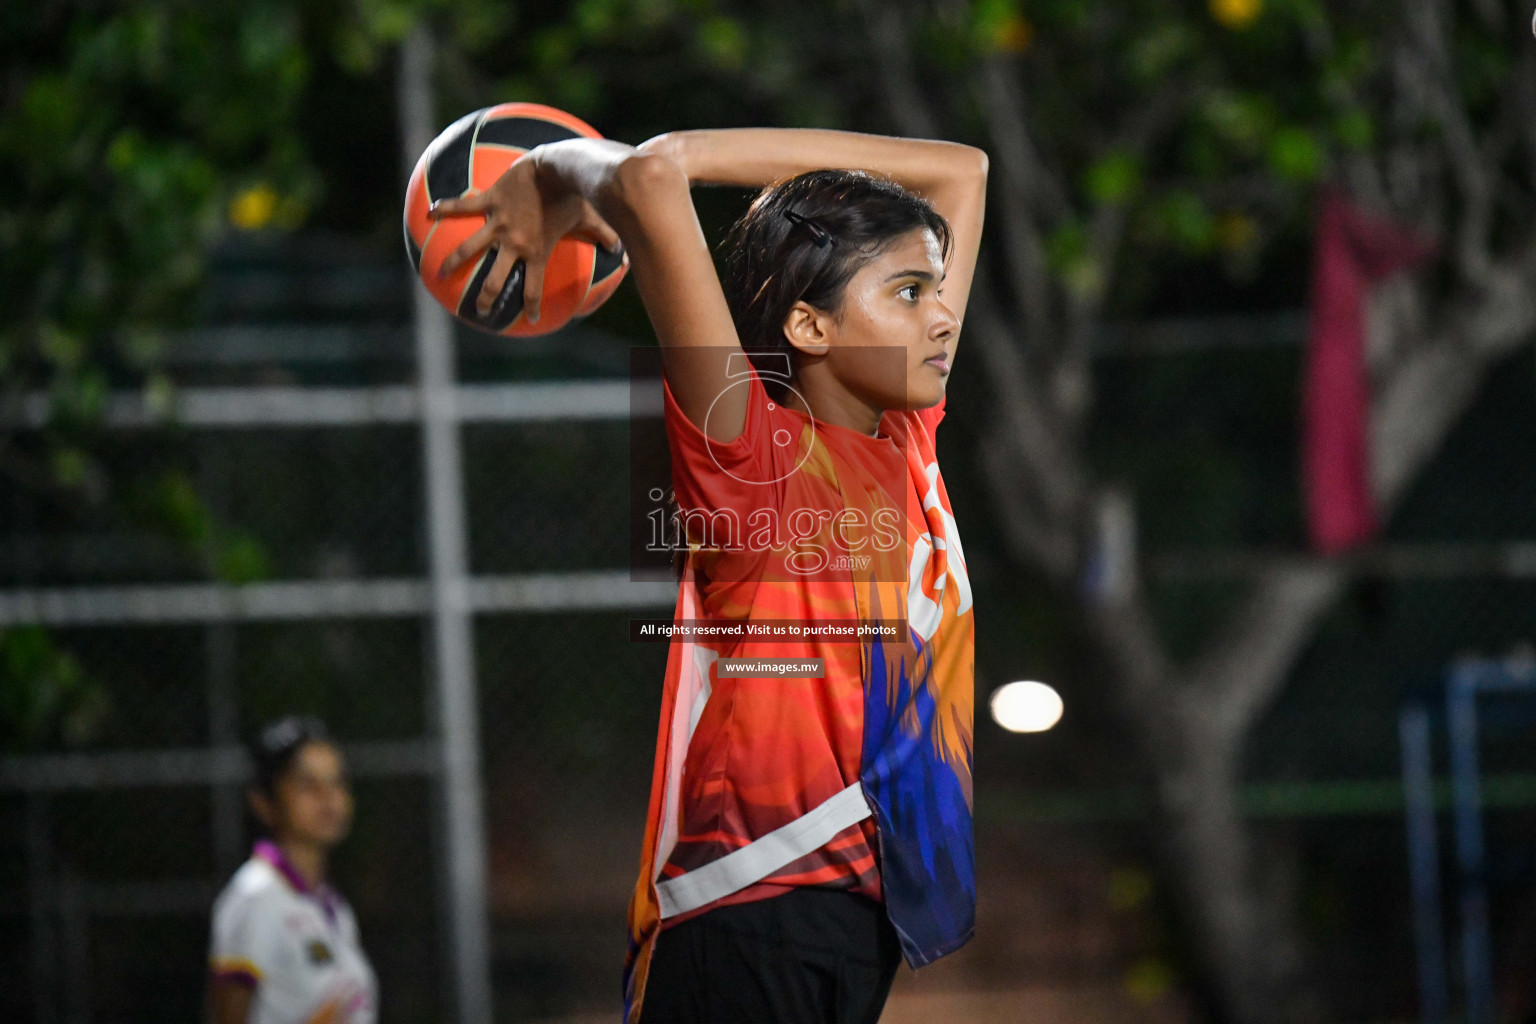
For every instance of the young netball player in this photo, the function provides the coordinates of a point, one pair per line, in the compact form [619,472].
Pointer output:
[285,947]
[808,828]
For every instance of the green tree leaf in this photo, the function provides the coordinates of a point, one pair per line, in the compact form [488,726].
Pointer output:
[1115,178]
[1294,154]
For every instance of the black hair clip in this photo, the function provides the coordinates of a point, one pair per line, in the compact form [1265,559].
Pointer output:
[819,234]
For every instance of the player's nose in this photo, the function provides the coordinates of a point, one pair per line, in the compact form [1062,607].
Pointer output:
[944,324]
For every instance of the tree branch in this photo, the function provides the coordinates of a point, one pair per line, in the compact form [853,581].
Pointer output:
[1435,77]
[1422,397]
[1027,455]
[1522,95]
[1244,669]
[1023,185]
[1106,235]
[1415,408]
[904,100]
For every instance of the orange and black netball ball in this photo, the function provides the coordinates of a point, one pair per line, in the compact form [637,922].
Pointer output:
[470,154]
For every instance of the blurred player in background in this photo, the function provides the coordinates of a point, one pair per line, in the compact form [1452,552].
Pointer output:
[285,947]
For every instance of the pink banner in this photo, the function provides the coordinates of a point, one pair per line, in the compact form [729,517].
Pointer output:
[1354,250]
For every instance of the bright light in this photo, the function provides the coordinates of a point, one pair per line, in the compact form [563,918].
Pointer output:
[1026,707]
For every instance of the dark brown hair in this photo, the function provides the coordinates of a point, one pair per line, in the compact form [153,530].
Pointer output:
[274,748]
[803,239]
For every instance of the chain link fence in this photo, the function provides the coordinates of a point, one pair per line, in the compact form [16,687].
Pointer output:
[298,450]
[119,827]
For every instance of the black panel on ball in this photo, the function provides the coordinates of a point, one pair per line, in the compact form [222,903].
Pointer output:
[605,264]
[508,304]
[523,132]
[448,159]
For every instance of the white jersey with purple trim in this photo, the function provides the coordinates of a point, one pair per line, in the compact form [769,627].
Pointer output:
[295,945]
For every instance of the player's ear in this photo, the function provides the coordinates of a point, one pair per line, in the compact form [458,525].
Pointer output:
[808,329]
[261,806]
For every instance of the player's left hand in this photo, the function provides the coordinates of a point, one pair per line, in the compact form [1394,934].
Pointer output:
[523,227]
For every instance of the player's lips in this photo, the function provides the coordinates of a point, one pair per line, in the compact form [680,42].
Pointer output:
[938,362]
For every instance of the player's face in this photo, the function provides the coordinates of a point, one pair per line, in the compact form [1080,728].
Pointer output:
[313,800]
[895,337]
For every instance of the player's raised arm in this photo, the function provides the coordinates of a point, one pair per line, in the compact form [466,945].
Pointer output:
[952,177]
[600,188]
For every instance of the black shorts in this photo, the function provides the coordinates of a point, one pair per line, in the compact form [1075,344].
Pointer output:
[810,956]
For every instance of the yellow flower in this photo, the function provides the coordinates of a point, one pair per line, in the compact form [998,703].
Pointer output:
[1236,14]
[252,208]
[1013,34]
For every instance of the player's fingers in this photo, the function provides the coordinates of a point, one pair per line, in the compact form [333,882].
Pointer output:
[495,281]
[470,202]
[467,250]
[533,289]
[599,233]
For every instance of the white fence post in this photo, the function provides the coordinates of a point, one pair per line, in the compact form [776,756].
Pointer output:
[463,823]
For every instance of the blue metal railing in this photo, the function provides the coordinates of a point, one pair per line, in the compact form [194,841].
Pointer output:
[1465,682]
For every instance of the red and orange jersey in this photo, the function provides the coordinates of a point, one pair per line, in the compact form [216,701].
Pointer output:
[859,778]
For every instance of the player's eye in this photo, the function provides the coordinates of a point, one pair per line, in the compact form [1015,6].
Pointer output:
[909,292]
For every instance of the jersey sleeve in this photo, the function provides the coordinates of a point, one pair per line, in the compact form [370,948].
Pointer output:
[710,475]
[247,939]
